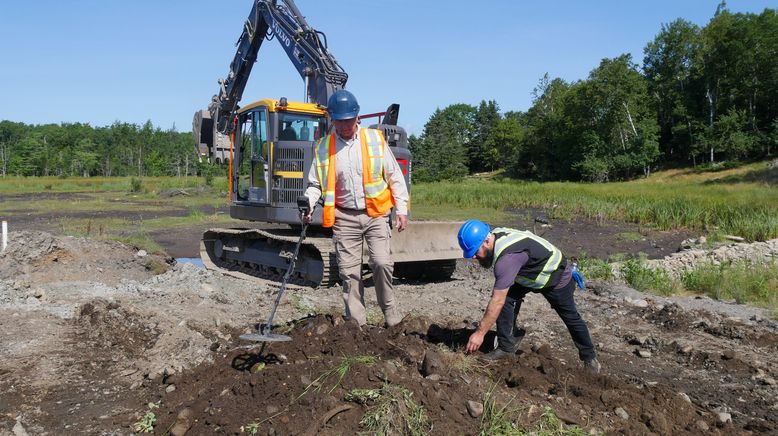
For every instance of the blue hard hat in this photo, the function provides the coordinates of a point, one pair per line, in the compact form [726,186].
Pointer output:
[342,105]
[471,235]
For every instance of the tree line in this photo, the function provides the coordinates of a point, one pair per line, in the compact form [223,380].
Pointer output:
[76,149]
[703,95]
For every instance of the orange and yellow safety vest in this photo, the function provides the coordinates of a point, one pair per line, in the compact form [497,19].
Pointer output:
[378,194]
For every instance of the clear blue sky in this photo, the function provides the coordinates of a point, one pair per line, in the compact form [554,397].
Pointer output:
[100,61]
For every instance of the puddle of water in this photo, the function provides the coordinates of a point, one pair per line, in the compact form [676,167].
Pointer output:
[196,261]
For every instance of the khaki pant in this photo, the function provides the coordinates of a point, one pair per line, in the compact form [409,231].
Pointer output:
[351,228]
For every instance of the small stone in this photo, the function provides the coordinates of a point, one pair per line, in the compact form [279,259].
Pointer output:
[475,409]
[769,381]
[724,417]
[621,413]
[432,363]
[643,353]
[433,377]
[170,388]
[702,426]
[728,355]
[685,397]
[322,328]
[141,253]
[271,410]
[183,422]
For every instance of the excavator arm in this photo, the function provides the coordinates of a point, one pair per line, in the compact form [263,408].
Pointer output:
[305,46]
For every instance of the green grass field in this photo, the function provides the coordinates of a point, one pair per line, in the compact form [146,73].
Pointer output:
[740,201]
[726,202]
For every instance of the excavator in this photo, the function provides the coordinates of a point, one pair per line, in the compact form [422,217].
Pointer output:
[269,146]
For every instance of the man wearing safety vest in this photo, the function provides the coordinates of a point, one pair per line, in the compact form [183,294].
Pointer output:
[523,263]
[360,181]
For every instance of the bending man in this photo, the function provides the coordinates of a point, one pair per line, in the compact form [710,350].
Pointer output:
[523,263]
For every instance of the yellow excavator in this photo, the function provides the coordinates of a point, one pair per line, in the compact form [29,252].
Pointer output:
[269,147]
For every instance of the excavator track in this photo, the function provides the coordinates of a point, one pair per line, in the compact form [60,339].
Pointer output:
[264,255]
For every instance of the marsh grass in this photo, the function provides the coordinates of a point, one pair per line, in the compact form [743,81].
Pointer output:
[745,281]
[593,268]
[742,281]
[664,201]
[20,185]
[647,279]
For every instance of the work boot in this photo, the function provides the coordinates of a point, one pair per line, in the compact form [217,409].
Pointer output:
[592,365]
[517,338]
[496,354]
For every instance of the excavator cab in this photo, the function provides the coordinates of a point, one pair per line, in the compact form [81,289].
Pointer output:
[270,164]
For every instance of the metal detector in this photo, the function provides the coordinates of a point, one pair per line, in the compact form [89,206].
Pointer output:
[263,334]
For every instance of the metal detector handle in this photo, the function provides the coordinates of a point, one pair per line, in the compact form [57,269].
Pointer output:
[304,207]
[268,325]
[303,204]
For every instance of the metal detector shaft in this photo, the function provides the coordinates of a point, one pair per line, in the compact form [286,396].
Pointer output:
[269,324]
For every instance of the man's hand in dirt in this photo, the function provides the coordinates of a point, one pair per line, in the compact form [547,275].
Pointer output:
[402,222]
[475,341]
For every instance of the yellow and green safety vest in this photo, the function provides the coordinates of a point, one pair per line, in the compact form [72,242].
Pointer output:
[536,273]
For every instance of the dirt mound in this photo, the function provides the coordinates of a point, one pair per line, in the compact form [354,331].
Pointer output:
[40,257]
[335,379]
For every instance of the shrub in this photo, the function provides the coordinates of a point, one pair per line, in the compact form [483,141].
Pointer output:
[646,279]
[136,185]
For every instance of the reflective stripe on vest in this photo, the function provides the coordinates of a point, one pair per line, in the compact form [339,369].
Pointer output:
[325,170]
[378,195]
[514,236]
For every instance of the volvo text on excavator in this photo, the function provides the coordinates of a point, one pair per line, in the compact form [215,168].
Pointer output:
[272,152]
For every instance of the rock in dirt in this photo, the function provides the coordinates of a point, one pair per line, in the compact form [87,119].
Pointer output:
[475,408]
[621,413]
[183,422]
[432,363]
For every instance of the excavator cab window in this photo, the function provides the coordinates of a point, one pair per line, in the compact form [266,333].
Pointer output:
[288,133]
[298,127]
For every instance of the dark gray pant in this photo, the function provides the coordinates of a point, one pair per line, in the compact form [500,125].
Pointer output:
[561,301]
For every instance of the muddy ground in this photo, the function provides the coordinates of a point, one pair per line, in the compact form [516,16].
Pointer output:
[91,332]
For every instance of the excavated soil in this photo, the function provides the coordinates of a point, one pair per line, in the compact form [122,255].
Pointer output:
[91,332]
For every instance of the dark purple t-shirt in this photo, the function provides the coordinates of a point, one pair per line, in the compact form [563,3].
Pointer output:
[509,265]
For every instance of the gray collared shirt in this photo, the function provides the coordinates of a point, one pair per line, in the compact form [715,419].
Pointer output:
[349,192]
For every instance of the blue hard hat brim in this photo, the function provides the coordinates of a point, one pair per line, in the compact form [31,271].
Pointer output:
[345,116]
[471,252]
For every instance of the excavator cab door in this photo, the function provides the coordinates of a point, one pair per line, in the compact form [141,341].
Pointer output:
[255,134]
